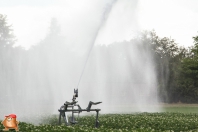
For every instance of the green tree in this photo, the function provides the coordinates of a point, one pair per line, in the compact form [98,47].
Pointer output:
[167,60]
[7,39]
[10,59]
[187,83]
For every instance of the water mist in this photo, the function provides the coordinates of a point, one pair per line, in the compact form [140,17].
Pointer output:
[38,81]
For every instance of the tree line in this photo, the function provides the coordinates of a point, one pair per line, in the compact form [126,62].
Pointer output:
[176,67]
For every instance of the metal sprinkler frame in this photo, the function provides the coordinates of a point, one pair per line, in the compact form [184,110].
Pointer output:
[64,109]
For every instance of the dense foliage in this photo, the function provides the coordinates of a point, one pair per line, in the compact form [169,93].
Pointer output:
[176,67]
[142,122]
[177,70]
[187,82]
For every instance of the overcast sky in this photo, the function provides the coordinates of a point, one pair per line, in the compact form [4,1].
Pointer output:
[169,18]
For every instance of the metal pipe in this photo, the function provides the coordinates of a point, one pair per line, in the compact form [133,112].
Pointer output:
[97,122]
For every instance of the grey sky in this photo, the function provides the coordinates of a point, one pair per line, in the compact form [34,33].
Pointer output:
[31,18]
[10,3]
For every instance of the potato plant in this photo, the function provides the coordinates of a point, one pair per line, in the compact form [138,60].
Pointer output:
[138,122]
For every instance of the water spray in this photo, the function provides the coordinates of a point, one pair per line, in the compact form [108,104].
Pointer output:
[69,106]
[103,20]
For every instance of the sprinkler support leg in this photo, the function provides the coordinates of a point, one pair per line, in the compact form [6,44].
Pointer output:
[97,122]
[59,121]
[72,118]
[66,119]
[64,115]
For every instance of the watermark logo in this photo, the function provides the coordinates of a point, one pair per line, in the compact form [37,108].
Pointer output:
[10,122]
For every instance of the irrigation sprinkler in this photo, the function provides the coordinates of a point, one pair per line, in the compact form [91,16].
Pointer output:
[69,107]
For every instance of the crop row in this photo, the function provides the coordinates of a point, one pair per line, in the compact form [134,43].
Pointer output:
[139,122]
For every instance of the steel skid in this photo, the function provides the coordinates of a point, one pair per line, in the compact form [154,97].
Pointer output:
[70,107]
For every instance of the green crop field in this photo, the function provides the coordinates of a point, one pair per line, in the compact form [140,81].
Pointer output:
[181,108]
[179,118]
